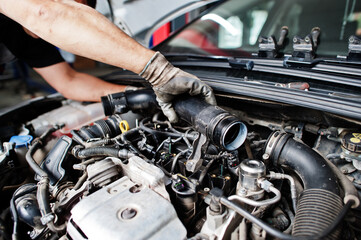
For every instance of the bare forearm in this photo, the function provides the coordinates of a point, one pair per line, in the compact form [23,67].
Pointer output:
[78,29]
[75,85]
[85,87]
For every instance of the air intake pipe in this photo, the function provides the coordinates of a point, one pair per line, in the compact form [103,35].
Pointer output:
[319,203]
[224,129]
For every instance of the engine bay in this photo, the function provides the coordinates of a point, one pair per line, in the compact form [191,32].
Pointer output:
[229,172]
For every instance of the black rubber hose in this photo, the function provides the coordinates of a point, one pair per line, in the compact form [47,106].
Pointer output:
[317,209]
[33,165]
[137,101]
[224,129]
[321,191]
[96,152]
[100,129]
[311,167]
[42,196]
[102,151]
[43,185]
[37,143]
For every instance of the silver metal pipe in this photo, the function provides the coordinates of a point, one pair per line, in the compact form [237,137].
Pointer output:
[274,175]
[254,203]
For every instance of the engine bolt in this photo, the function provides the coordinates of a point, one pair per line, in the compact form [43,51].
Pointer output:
[128,213]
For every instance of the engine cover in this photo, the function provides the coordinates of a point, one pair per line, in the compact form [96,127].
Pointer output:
[122,210]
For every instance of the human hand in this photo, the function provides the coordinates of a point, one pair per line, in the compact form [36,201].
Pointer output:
[168,81]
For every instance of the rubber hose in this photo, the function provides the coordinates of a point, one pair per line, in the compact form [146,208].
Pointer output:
[224,129]
[100,129]
[96,152]
[317,209]
[102,151]
[42,196]
[321,192]
[33,165]
[136,101]
[310,166]
[42,193]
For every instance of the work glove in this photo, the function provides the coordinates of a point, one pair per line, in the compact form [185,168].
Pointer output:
[168,81]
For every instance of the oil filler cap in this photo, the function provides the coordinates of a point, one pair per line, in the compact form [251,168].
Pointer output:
[352,142]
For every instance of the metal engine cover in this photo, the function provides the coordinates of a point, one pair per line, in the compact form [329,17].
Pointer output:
[122,210]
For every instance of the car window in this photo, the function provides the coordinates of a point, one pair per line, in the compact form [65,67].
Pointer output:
[233,28]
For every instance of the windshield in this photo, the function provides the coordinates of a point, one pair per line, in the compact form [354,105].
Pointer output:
[234,27]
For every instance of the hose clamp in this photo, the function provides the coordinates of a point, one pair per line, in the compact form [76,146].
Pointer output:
[274,145]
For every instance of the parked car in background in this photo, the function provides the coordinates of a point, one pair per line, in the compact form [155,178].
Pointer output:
[278,158]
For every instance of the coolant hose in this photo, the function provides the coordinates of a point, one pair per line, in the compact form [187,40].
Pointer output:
[43,184]
[319,203]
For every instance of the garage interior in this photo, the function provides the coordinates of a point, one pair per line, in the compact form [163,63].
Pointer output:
[19,83]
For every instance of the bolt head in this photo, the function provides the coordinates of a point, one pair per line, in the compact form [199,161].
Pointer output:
[128,213]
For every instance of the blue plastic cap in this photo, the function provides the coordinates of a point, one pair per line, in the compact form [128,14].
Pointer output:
[21,141]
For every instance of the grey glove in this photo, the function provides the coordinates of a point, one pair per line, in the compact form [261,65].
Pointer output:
[168,81]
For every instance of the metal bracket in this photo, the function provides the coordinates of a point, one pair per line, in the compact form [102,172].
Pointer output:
[195,161]
[304,49]
[354,48]
[297,131]
[269,48]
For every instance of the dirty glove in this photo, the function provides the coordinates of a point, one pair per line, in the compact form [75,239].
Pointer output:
[168,81]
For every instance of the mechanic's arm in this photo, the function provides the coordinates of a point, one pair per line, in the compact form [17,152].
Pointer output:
[78,29]
[76,85]
[83,31]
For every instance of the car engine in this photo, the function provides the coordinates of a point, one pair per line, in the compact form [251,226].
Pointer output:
[219,173]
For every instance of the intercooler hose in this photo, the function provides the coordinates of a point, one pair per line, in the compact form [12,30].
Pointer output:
[224,129]
[319,203]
